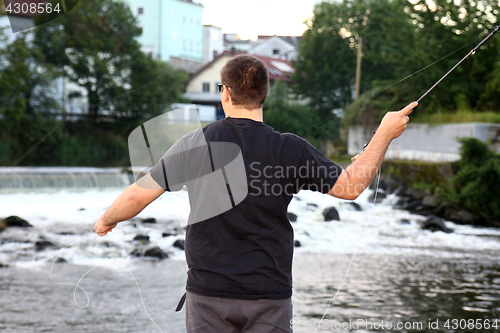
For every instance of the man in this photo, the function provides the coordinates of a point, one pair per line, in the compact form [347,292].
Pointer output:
[240,261]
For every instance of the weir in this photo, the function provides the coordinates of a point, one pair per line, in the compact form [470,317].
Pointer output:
[54,179]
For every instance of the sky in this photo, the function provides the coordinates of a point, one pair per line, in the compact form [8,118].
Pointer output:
[249,18]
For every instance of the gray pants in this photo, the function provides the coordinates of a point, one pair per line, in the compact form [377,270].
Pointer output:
[224,315]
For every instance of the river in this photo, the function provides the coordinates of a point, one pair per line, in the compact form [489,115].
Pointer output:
[401,279]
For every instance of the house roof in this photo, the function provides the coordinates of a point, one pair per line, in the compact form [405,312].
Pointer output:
[279,69]
[289,39]
[20,14]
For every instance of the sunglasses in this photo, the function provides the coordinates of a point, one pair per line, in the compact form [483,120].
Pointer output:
[221,86]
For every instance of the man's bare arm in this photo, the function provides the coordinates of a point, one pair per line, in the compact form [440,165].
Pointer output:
[358,176]
[128,204]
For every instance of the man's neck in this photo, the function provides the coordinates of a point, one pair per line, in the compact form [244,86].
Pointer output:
[255,114]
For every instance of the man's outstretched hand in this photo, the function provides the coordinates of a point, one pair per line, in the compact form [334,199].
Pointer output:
[394,123]
[101,228]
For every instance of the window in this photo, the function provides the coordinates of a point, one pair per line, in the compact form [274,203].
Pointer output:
[140,10]
[217,86]
[215,53]
[206,87]
[276,51]
[191,45]
[184,44]
[141,30]
[192,21]
[184,20]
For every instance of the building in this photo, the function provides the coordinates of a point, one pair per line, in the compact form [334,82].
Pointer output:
[202,86]
[233,43]
[282,47]
[22,20]
[213,42]
[171,31]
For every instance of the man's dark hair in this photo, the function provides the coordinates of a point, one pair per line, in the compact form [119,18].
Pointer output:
[248,79]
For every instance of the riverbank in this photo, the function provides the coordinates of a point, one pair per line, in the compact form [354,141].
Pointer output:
[424,189]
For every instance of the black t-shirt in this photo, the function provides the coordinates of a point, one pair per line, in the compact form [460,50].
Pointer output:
[246,251]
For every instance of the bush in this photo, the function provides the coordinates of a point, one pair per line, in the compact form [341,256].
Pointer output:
[475,186]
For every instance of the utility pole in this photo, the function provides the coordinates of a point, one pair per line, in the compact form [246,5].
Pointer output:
[160,28]
[358,68]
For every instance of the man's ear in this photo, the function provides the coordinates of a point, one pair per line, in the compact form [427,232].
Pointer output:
[226,98]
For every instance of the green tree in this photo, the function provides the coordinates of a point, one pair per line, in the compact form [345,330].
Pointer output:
[442,27]
[326,67]
[154,86]
[286,115]
[27,102]
[93,45]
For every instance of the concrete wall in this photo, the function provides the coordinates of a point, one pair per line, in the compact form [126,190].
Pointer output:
[426,142]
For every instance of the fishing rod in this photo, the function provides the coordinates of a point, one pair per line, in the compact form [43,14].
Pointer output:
[495,30]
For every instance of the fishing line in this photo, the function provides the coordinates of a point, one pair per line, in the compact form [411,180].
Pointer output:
[352,258]
[85,292]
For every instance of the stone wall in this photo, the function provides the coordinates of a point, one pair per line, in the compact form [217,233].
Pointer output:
[431,143]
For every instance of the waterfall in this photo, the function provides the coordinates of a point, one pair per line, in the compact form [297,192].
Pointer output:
[53,179]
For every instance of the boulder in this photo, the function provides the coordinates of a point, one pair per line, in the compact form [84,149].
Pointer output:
[356,206]
[400,203]
[461,216]
[423,210]
[429,200]
[434,223]
[380,197]
[296,243]
[142,238]
[388,183]
[60,260]
[168,234]
[415,193]
[179,244]
[312,205]
[136,253]
[155,252]
[148,220]
[3,265]
[400,191]
[42,245]
[16,221]
[331,214]
[292,217]
[404,221]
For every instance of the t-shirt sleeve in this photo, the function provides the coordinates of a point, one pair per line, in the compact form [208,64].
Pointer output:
[159,174]
[316,172]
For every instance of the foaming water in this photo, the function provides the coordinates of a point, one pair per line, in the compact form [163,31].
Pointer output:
[400,272]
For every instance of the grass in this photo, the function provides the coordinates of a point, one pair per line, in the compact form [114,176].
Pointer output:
[439,117]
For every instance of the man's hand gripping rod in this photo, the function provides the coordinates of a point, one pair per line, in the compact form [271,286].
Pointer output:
[495,30]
